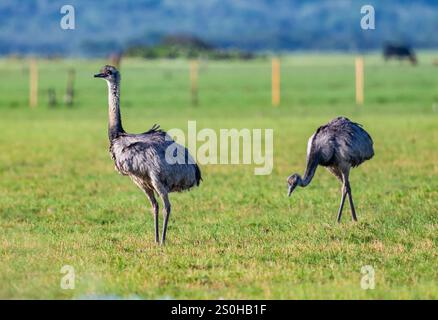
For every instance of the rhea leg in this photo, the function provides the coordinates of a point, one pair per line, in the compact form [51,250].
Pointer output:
[166,212]
[163,193]
[344,193]
[341,177]
[155,209]
[350,198]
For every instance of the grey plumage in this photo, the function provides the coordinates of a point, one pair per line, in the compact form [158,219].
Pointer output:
[142,157]
[339,145]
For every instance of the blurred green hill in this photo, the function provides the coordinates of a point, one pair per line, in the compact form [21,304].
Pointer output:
[107,26]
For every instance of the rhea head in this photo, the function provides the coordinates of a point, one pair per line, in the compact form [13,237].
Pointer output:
[293,182]
[109,73]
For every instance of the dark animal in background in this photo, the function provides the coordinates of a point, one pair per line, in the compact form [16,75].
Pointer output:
[143,156]
[399,52]
[339,145]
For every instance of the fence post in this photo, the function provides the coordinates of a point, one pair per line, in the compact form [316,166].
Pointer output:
[276,94]
[33,84]
[360,81]
[69,92]
[194,81]
[116,60]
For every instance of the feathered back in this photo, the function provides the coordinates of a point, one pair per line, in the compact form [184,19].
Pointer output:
[144,156]
[155,129]
[343,140]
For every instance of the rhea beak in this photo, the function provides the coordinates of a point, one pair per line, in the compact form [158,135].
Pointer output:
[100,75]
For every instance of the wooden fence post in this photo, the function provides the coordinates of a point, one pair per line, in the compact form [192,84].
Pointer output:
[276,93]
[69,92]
[116,59]
[360,81]
[33,83]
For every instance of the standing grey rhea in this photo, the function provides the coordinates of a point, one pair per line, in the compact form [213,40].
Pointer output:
[339,145]
[145,157]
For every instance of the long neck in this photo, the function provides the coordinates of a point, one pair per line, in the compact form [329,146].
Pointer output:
[312,165]
[114,119]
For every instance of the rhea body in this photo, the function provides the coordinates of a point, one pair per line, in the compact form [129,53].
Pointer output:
[145,157]
[339,146]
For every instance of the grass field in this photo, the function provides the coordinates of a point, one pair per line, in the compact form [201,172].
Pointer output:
[238,235]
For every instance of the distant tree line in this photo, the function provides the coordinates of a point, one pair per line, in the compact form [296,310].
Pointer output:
[185,46]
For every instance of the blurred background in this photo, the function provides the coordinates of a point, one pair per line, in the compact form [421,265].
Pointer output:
[232,42]
[254,26]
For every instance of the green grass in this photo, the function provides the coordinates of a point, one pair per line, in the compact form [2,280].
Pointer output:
[238,235]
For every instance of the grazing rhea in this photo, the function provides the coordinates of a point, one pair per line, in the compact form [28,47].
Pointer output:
[145,157]
[338,146]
